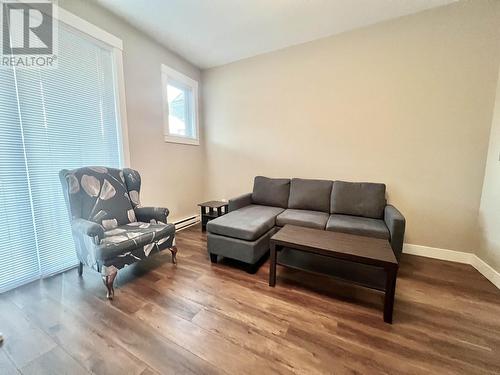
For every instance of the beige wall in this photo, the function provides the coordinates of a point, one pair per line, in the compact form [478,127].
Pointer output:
[406,102]
[489,213]
[171,173]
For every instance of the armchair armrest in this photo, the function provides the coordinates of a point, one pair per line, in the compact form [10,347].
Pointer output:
[239,202]
[87,236]
[396,223]
[88,228]
[146,214]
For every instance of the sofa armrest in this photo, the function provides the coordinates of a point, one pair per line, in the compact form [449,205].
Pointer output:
[239,202]
[396,223]
[146,214]
[82,227]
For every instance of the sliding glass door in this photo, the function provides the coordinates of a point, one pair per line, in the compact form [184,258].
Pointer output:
[51,119]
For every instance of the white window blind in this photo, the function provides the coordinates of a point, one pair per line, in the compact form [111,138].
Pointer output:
[51,119]
[18,255]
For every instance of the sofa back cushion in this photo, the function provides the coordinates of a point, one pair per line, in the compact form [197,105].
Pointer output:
[358,199]
[310,194]
[271,191]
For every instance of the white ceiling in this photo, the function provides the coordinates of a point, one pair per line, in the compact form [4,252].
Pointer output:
[209,33]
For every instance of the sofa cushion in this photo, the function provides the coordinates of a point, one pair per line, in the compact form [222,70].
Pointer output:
[362,226]
[247,223]
[303,218]
[245,251]
[310,194]
[271,191]
[358,199]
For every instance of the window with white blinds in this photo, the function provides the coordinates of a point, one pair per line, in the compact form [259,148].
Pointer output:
[51,119]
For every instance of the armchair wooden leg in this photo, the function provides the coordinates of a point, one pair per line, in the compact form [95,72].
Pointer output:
[173,250]
[80,269]
[108,283]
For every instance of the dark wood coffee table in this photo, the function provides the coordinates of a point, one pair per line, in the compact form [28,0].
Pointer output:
[366,251]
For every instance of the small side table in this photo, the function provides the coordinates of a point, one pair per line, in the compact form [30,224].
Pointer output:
[214,211]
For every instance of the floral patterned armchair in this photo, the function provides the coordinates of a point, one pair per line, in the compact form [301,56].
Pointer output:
[109,227]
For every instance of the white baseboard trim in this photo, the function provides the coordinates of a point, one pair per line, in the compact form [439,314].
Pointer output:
[436,253]
[455,256]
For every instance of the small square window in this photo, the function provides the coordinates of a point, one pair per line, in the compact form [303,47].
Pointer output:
[180,101]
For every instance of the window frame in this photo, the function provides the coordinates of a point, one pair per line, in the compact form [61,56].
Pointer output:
[168,73]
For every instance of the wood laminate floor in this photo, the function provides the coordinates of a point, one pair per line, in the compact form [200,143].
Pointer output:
[196,318]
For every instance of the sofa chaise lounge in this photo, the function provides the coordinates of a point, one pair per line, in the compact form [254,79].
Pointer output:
[348,207]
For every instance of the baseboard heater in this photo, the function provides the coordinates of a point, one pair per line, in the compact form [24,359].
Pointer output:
[187,222]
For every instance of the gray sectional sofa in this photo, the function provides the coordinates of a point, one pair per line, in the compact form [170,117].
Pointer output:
[348,207]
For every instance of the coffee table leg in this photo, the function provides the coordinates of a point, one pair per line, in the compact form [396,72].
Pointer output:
[390,290]
[272,267]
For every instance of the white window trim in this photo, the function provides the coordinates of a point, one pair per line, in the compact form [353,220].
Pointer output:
[121,106]
[167,72]
[116,44]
